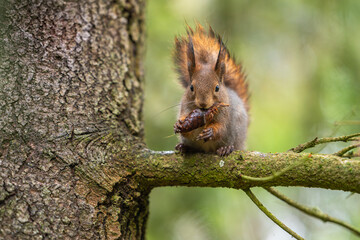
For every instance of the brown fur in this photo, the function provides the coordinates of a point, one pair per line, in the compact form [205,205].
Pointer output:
[210,76]
[206,47]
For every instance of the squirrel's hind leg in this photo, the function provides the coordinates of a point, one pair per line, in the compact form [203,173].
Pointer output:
[224,151]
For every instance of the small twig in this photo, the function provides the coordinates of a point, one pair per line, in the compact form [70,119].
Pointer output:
[274,175]
[270,215]
[317,141]
[351,155]
[346,149]
[312,211]
[304,146]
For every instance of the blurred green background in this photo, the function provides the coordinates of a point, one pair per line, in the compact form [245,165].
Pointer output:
[302,59]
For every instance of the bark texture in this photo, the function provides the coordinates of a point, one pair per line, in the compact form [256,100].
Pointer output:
[70,85]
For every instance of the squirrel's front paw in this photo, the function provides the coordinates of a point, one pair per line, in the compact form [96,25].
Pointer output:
[206,134]
[214,110]
[178,126]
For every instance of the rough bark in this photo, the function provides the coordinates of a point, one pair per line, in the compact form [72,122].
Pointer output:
[72,159]
[70,85]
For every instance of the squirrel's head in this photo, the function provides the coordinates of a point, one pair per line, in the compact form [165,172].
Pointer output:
[206,78]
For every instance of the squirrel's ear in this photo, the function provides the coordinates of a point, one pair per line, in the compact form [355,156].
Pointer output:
[220,62]
[190,57]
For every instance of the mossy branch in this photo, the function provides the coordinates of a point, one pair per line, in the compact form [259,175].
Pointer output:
[346,149]
[317,141]
[320,170]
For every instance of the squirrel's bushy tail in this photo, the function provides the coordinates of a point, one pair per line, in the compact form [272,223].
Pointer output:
[206,47]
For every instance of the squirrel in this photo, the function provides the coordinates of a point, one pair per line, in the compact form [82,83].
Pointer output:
[210,77]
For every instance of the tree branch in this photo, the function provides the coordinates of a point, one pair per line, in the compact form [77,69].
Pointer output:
[319,170]
[317,141]
[270,215]
[315,212]
[346,149]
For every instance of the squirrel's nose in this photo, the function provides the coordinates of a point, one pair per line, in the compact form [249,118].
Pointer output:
[203,105]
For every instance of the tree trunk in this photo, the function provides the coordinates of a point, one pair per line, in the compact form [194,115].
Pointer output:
[71,83]
[72,159]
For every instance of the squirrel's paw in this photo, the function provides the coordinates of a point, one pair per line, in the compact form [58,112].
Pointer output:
[178,126]
[182,148]
[210,114]
[224,151]
[206,134]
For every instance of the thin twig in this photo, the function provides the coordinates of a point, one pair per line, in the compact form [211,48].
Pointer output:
[317,141]
[346,149]
[274,175]
[270,215]
[312,211]
[351,155]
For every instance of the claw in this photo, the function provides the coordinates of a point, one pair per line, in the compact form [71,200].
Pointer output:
[214,110]
[206,134]
[225,151]
[178,126]
[182,148]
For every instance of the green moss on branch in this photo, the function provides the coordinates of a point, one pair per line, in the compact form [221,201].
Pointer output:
[320,170]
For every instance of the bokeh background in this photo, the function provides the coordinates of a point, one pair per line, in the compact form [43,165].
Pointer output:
[302,59]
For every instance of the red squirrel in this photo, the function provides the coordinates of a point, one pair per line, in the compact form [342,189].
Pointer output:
[216,92]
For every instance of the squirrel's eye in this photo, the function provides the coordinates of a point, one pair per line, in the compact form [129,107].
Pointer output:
[217,88]
[192,88]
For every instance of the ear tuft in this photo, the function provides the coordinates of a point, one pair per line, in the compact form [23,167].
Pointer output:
[191,57]
[211,32]
[220,62]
